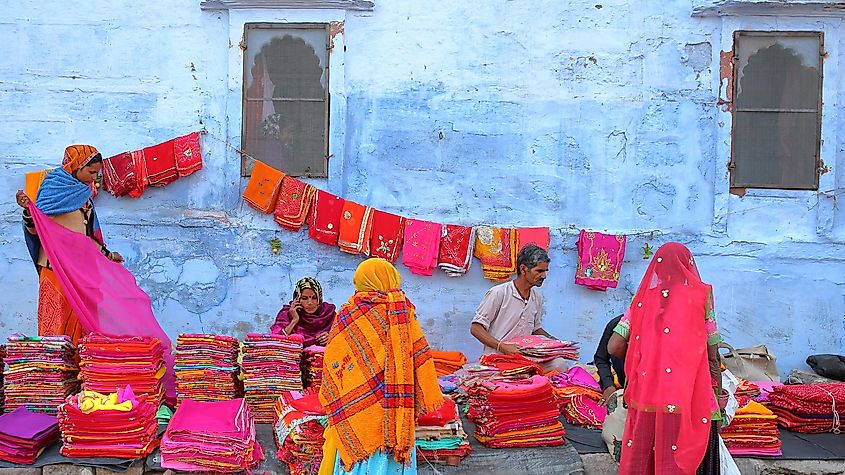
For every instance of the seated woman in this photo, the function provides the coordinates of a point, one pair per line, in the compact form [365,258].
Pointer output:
[306,314]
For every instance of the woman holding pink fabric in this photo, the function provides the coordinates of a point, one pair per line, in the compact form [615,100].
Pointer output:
[669,339]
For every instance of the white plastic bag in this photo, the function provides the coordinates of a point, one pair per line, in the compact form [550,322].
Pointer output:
[730,384]
[726,461]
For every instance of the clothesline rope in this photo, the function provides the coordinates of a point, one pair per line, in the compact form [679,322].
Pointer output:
[834,192]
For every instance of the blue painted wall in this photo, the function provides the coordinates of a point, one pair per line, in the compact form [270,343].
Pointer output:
[597,114]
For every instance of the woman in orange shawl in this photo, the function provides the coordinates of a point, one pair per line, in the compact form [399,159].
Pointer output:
[378,376]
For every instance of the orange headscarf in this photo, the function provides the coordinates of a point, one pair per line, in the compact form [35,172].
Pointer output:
[77,156]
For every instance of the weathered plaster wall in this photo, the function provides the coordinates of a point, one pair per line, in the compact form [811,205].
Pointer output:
[596,114]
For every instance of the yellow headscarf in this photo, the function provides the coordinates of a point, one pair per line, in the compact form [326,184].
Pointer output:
[376,274]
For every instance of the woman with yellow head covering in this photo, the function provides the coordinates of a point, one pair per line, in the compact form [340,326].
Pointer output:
[378,376]
[65,196]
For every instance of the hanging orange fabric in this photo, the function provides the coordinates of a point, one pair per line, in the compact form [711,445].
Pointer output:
[355,221]
[262,191]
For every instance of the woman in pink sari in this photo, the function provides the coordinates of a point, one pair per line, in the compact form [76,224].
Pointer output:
[306,314]
[669,339]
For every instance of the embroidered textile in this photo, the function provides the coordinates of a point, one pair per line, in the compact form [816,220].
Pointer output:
[140,161]
[496,249]
[119,177]
[355,228]
[160,164]
[385,235]
[538,236]
[600,259]
[379,374]
[456,247]
[422,245]
[188,154]
[262,191]
[295,198]
[324,219]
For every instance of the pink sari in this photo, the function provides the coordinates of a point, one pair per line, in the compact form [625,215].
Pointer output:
[102,293]
[600,259]
[669,394]
[422,245]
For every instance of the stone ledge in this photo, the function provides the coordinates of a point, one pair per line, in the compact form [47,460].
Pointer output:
[359,5]
[704,8]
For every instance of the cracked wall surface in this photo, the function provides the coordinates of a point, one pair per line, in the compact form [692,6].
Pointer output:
[602,115]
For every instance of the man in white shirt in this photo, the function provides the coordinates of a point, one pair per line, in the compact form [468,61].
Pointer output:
[515,308]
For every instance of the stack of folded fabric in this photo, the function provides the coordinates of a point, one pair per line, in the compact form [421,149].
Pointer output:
[747,389]
[313,366]
[516,366]
[753,432]
[541,349]
[214,436]
[40,373]
[109,363]
[24,434]
[440,435]
[579,394]
[809,408]
[270,366]
[299,428]
[2,357]
[520,413]
[207,367]
[117,425]
[447,362]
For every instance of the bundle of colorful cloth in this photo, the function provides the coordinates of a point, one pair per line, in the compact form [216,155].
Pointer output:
[578,394]
[753,432]
[109,363]
[515,366]
[24,435]
[747,389]
[447,362]
[131,172]
[519,413]
[118,425]
[440,435]
[2,357]
[214,436]
[313,366]
[809,408]
[40,372]
[207,367]
[270,365]
[299,426]
[541,349]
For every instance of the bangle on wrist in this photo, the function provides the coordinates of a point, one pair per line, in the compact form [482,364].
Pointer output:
[498,345]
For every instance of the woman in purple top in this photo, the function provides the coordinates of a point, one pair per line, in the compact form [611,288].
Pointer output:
[306,314]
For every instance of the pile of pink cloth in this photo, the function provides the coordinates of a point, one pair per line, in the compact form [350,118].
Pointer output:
[214,436]
[118,425]
[541,349]
[313,366]
[270,366]
[809,408]
[579,395]
[109,363]
[519,413]
[40,372]
[24,434]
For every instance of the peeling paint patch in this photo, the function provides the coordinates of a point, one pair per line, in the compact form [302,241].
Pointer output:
[726,79]
[335,28]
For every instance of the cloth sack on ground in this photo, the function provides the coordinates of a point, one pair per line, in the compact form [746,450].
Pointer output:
[614,424]
[754,363]
[829,366]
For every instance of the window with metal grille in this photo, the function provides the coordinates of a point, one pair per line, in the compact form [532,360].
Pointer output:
[777,104]
[286,97]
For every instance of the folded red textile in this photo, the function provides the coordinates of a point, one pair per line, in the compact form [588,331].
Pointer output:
[188,154]
[119,176]
[324,219]
[386,235]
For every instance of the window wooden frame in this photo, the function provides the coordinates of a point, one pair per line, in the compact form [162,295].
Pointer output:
[818,111]
[248,163]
